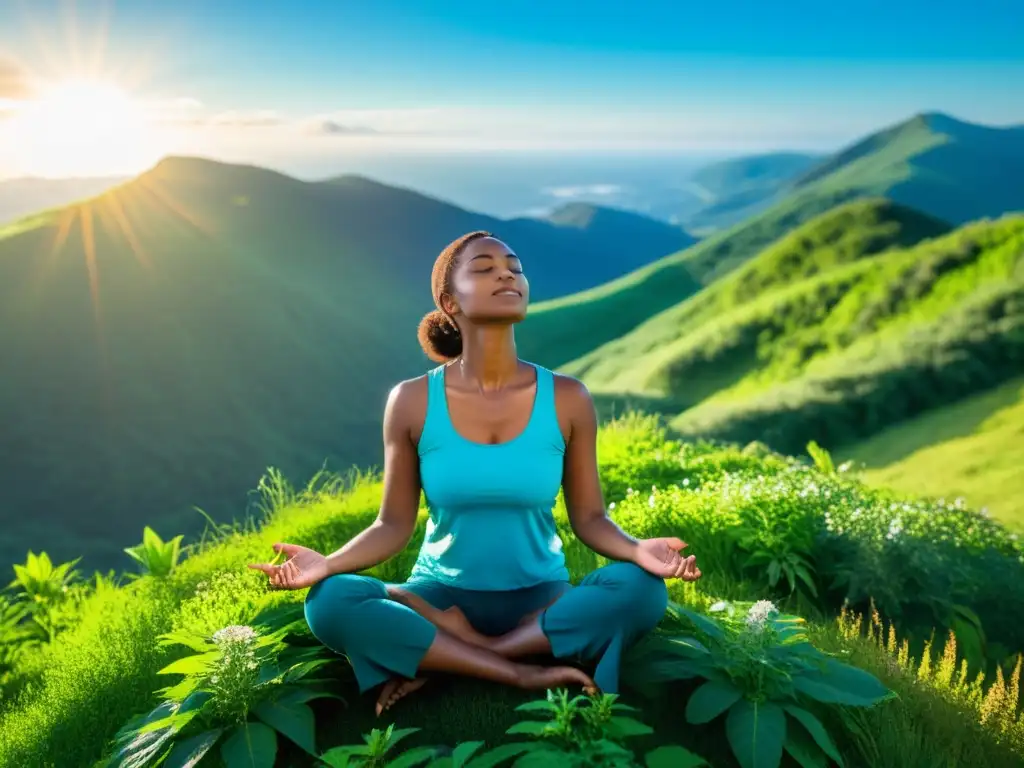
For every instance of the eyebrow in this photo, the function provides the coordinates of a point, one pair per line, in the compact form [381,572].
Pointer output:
[491,256]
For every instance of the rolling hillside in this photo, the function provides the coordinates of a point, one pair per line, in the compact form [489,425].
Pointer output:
[733,190]
[166,342]
[972,449]
[952,170]
[873,330]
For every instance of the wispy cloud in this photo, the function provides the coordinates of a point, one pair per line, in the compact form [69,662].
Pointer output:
[584,190]
[334,128]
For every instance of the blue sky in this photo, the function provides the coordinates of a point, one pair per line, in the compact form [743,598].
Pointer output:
[266,78]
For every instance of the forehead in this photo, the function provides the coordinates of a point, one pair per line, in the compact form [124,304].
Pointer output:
[485,246]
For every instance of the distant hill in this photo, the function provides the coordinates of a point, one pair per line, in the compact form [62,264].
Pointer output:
[949,169]
[872,329]
[637,362]
[24,196]
[841,355]
[167,341]
[735,189]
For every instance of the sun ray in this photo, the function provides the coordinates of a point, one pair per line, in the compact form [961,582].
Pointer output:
[110,204]
[167,201]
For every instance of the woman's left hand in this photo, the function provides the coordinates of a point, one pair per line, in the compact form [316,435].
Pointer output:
[661,557]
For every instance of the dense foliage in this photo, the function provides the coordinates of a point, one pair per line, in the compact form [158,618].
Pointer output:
[213,661]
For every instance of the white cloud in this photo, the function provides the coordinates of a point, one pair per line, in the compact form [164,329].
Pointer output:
[585,190]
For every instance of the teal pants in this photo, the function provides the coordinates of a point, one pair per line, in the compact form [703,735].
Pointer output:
[593,621]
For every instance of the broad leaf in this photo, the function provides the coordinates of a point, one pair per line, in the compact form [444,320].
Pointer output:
[250,745]
[673,757]
[816,730]
[530,728]
[498,755]
[191,665]
[463,752]
[623,727]
[839,683]
[756,733]
[414,757]
[295,721]
[540,705]
[188,753]
[711,700]
[803,750]
[339,757]
[708,626]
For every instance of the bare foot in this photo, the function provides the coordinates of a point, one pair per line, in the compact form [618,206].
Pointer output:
[542,678]
[454,622]
[395,689]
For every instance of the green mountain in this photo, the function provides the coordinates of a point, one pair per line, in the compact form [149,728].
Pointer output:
[619,226]
[167,341]
[835,340]
[735,189]
[950,169]
[639,361]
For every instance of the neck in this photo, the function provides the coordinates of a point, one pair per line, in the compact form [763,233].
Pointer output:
[489,357]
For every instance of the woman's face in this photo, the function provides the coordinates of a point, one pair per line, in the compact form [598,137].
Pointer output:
[489,284]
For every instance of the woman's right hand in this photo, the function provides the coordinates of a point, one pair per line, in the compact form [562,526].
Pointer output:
[303,568]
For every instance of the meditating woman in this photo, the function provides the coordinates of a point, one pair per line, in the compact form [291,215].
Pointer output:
[490,440]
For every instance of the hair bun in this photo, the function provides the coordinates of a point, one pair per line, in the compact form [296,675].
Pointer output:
[439,337]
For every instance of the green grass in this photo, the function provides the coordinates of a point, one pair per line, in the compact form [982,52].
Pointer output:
[166,340]
[973,449]
[65,701]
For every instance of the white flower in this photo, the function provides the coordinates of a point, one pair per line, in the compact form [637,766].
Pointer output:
[234,635]
[759,614]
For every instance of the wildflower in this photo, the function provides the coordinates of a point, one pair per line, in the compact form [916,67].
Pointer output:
[759,614]
[234,635]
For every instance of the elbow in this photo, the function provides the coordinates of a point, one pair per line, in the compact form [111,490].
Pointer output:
[397,533]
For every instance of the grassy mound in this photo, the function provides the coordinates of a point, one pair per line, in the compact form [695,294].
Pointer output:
[977,443]
[764,527]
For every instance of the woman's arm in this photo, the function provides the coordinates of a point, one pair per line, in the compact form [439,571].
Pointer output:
[581,484]
[391,531]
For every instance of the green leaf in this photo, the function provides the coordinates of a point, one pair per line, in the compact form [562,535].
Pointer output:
[673,757]
[188,753]
[707,625]
[711,700]
[498,755]
[462,752]
[624,727]
[540,705]
[413,757]
[302,695]
[250,745]
[295,721]
[191,665]
[339,757]
[807,579]
[756,733]
[399,734]
[839,683]
[530,728]
[803,750]
[816,730]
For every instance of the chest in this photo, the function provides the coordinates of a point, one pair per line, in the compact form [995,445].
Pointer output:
[492,419]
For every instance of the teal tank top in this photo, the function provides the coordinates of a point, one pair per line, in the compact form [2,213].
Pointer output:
[490,523]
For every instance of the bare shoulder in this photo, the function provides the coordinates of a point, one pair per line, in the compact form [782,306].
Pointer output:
[406,408]
[573,403]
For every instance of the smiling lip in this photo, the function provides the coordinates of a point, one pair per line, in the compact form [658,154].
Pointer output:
[508,292]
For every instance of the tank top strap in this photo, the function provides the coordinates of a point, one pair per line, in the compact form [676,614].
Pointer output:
[435,422]
[545,412]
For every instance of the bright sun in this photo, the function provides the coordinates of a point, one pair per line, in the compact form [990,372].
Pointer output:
[82,128]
